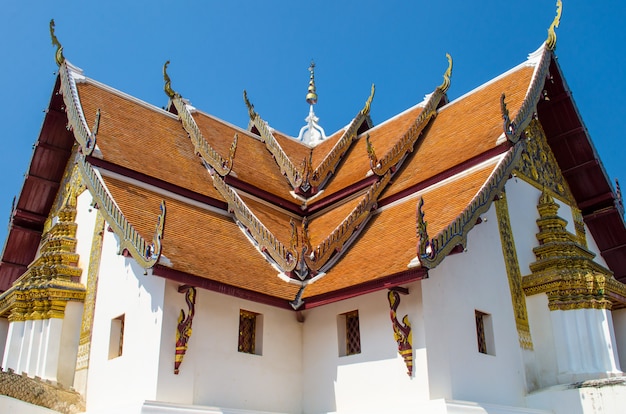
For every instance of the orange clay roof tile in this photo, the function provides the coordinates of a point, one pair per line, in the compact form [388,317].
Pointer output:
[200,242]
[393,230]
[144,139]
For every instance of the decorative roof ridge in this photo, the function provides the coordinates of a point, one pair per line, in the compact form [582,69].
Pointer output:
[146,254]
[264,239]
[287,168]
[431,251]
[513,128]
[85,79]
[201,146]
[440,183]
[75,115]
[239,129]
[328,165]
[322,257]
[408,140]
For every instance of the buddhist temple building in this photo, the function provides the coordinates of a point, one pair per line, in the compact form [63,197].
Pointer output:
[463,256]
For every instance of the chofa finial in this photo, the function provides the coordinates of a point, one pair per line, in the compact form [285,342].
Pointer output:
[551,40]
[55,42]
[311,96]
[446,76]
[168,82]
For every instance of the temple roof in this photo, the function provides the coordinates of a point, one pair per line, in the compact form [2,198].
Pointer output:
[257,214]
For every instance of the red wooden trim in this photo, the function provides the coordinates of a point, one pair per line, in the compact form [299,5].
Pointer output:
[387,282]
[164,185]
[341,194]
[200,282]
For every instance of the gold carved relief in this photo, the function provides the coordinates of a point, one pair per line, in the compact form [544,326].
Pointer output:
[513,272]
[539,167]
[565,269]
[84,344]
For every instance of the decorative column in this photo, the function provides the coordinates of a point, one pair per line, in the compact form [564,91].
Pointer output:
[579,293]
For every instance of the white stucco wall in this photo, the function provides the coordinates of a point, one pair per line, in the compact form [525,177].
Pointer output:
[86,219]
[214,372]
[462,283]
[375,379]
[619,324]
[542,333]
[123,288]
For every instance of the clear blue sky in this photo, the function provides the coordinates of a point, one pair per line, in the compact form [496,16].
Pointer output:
[218,49]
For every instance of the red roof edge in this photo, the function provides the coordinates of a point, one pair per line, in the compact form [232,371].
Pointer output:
[51,152]
[583,170]
[200,282]
[397,279]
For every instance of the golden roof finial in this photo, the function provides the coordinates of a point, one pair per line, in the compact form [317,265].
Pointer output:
[311,96]
[55,42]
[551,40]
[446,76]
[168,82]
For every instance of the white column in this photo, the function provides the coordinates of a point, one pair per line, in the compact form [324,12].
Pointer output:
[52,343]
[13,346]
[585,344]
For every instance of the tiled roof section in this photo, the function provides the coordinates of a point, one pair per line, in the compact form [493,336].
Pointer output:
[252,160]
[356,165]
[323,148]
[201,242]
[389,242]
[145,140]
[463,129]
[276,221]
[295,150]
[321,226]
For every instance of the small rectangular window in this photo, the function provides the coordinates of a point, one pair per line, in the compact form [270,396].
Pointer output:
[116,337]
[349,333]
[250,332]
[484,333]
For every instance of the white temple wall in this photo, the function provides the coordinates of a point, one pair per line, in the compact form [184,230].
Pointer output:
[542,334]
[213,371]
[4,334]
[124,292]
[86,219]
[374,380]
[475,280]
[522,200]
[619,325]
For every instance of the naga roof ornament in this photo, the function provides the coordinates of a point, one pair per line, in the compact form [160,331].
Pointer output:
[55,42]
[168,82]
[201,147]
[446,75]
[551,40]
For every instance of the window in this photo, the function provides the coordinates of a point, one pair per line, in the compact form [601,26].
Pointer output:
[250,332]
[484,333]
[116,338]
[349,333]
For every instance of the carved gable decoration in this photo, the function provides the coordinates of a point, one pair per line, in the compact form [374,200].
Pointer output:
[539,167]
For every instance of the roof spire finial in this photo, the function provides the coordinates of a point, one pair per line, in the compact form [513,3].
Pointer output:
[311,96]
[446,76]
[55,42]
[551,40]
[168,82]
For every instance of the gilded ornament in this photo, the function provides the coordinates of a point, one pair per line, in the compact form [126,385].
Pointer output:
[401,331]
[446,76]
[511,262]
[183,330]
[167,87]
[538,165]
[551,40]
[565,269]
[59,58]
